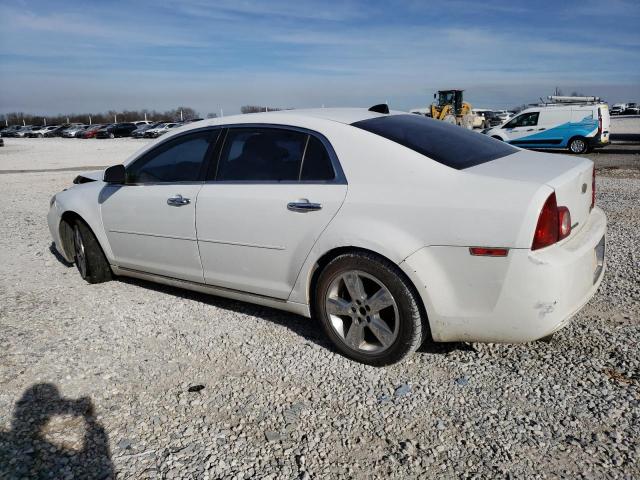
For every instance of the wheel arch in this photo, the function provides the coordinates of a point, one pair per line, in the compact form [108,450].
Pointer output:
[333,253]
[67,219]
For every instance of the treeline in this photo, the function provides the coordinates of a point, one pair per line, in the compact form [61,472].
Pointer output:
[258,108]
[112,116]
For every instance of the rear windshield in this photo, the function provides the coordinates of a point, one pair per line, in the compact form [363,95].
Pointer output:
[448,144]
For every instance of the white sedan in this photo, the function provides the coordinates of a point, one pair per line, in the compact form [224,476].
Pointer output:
[389,228]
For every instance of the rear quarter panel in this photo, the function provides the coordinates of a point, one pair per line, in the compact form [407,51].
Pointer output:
[399,201]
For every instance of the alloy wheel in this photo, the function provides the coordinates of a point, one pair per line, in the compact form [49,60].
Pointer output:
[362,312]
[577,146]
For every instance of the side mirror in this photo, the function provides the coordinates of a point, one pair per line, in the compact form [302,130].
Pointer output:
[115,174]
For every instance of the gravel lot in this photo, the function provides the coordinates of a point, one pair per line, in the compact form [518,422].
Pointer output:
[133,380]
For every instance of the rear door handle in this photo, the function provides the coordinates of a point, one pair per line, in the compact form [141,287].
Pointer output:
[303,205]
[540,129]
[178,201]
[531,130]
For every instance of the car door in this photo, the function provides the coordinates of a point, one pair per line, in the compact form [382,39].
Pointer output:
[150,220]
[272,192]
[521,126]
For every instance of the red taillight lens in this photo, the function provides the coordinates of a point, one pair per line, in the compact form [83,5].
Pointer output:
[554,224]
[564,222]
[593,188]
[547,228]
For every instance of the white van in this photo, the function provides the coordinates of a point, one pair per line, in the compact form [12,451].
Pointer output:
[577,127]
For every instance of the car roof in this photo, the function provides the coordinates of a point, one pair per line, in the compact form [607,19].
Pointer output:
[340,115]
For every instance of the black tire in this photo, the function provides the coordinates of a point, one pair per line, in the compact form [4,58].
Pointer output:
[92,264]
[578,145]
[412,325]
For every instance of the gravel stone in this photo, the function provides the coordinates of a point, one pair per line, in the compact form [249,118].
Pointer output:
[102,372]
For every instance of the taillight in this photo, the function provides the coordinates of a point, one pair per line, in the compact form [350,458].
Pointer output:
[554,224]
[593,188]
[599,122]
[547,228]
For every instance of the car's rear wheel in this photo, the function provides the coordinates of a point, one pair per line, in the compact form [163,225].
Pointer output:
[369,310]
[578,145]
[88,255]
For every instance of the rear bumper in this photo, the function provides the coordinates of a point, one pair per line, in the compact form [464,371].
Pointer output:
[522,297]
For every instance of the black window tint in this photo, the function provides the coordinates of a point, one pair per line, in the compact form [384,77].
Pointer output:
[261,154]
[450,145]
[317,164]
[177,161]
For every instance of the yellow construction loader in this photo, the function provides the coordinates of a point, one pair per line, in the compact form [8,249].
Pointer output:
[449,107]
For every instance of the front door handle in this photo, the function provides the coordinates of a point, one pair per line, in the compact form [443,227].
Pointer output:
[531,130]
[303,205]
[178,201]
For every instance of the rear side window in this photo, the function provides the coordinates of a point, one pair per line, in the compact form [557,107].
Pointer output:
[317,164]
[450,145]
[261,154]
[273,155]
[179,160]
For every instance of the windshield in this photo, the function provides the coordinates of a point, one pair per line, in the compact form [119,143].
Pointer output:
[450,145]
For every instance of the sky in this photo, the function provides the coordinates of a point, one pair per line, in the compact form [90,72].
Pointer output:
[83,56]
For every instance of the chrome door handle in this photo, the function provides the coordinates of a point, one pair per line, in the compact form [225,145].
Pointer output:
[178,201]
[303,205]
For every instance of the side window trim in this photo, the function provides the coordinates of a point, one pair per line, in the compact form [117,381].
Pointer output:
[304,155]
[339,179]
[169,142]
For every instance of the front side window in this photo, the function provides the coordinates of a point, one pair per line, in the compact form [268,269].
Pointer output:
[265,155]
[524,120]
[179,160]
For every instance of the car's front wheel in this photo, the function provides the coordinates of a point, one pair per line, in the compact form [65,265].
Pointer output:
[88,255]
[369,309]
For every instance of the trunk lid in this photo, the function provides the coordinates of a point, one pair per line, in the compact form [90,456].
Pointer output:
[570,177]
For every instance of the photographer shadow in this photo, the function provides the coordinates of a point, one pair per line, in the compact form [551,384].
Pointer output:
[27,450]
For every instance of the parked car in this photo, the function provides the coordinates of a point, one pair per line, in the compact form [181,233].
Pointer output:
[140,131]
[576,127]
[160,130]
[91,131]
[139,123]
[617,108]
[632,109]
[484,118]
[116,131]
[9,131]
[57,131]
[442,233]
[41,132]
[21,132]
[70,132]
[504,115]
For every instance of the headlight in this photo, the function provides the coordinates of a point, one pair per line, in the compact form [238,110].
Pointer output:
[52,201]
